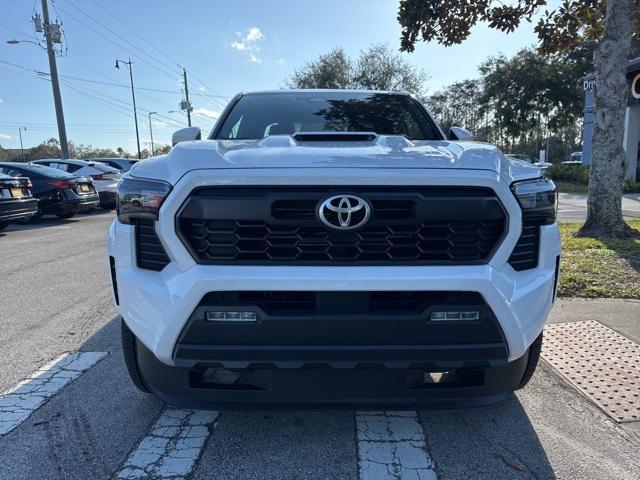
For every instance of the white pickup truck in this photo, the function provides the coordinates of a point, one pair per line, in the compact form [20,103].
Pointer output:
[332,247]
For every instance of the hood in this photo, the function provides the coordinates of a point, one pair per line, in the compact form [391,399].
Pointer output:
[283,151]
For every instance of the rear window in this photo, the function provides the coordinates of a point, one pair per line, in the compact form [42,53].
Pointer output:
[26,169]
[104,168]
[259,115]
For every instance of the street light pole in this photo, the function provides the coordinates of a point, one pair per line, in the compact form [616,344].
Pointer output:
[151,132]
[133,95]
[21,147]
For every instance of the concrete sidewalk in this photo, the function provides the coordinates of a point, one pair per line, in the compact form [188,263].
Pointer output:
[572,207]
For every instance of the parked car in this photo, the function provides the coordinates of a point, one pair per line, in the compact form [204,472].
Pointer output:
[332,247]
[572,162]
[105,177]
[574,158]
[58,193]
[122,164]
[16,201]
[526,158]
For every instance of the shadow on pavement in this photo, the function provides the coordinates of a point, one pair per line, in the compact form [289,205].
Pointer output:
[496,441]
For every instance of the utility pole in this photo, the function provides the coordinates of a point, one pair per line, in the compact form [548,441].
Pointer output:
[151,132]
[186,94]
[53,69]
[21,147]
[133,95]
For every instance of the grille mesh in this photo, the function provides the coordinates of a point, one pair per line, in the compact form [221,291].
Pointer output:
[246,240]
[525,253]
[149,251]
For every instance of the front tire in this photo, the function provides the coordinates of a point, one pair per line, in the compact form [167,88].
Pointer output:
[3,225]
[131,358]
[532,362]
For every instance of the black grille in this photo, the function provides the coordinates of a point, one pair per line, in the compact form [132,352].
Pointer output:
[409,225]
[284,303]
[149,251]
[525,253]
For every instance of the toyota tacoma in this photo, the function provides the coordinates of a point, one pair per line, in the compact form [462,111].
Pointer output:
[332,247]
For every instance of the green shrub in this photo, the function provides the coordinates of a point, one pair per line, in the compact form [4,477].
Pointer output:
[569,173]
[631,187]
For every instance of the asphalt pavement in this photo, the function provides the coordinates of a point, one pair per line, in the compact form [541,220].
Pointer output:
[87,421]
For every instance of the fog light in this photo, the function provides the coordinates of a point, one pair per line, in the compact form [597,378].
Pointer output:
[232,316]
[465,316]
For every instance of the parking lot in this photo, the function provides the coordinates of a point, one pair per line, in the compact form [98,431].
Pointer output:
[94,424]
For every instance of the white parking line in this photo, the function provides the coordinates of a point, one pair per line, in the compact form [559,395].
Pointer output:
[17,403]
[172,447]
[392,446]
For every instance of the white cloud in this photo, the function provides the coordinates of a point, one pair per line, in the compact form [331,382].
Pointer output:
[205,112]
[254,35]
[240,46]
[1,100]
[248,43]
[202,89]
[3,136]
[280,61]
[159,124]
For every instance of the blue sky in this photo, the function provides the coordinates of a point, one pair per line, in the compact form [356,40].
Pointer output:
[227,46]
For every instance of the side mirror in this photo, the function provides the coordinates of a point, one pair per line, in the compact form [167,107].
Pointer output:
[459,133]
[186,135]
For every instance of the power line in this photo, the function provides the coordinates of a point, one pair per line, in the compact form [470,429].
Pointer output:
[20,33]
[133,31]
[115,43]
[171,69]
[215,102]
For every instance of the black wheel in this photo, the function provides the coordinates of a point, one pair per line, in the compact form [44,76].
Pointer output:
[532,362]
[130,357]
[65,215]
[3,225]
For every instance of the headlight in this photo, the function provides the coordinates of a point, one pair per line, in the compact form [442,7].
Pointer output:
[140,199]
[538,199]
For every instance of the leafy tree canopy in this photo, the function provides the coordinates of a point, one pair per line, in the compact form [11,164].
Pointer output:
[377,68]
[450,22]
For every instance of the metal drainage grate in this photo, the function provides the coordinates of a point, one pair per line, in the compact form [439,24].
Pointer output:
[599,362]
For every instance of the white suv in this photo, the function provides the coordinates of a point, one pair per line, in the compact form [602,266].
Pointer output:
[332,247]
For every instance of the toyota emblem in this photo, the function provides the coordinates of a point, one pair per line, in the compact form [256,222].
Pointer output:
[344,212]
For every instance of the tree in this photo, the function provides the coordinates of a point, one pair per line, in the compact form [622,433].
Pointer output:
[380,68]
[376,68]
[331,70]
[612,23]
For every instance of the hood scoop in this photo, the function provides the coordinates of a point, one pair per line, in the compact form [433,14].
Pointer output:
[334,137]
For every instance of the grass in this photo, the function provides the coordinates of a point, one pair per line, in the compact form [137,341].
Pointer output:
[592,268]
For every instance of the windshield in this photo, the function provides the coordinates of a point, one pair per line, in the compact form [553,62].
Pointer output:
[259,115]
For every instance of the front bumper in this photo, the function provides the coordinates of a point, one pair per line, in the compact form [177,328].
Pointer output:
[17,209]
[156,306]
